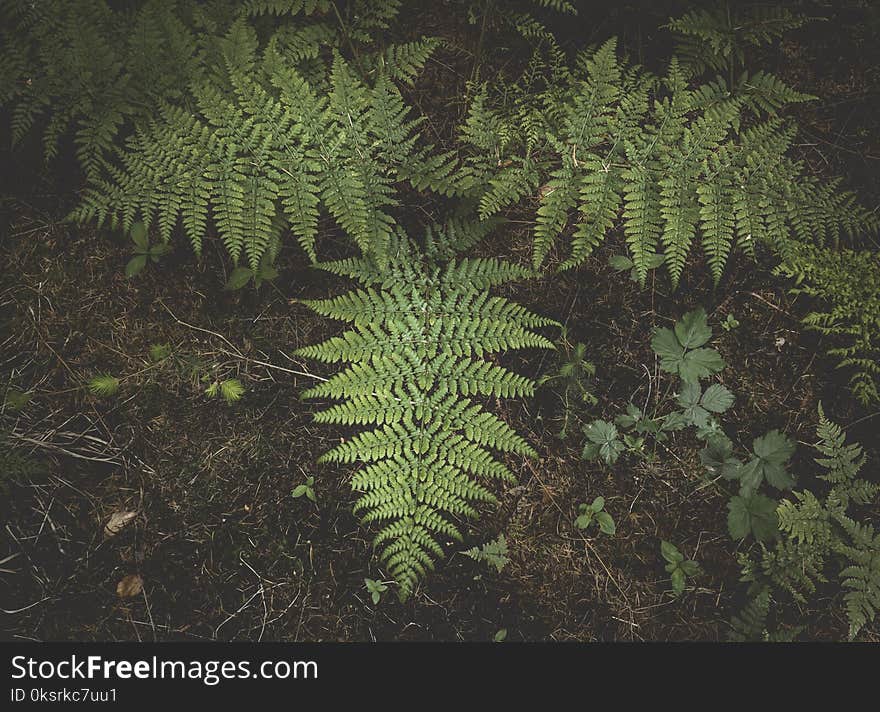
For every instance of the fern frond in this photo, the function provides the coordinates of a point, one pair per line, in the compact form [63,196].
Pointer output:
[416,348]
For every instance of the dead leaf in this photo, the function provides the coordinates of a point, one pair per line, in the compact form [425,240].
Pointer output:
[545,190]
[117,521]
[130,586]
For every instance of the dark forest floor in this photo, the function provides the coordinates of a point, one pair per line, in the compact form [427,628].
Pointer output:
[226,553]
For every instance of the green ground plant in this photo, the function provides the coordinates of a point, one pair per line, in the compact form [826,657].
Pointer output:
[820,543]
[421,329]
[271,121]
[678,567]
[594,513]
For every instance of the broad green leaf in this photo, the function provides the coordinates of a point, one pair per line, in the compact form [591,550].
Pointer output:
[670,552]
[620,263]
[135,265]
[267,273]
[15,400]
[755,514]
[699,363]
[666,346]
[678,582]
[717,398]
[690,568]
[598,504]
[139,236]
[606,523]
[591,451]
[689,396]
[771,452]
[611,451]
[717,457]
[631,417]
[600,431]
[239,277]
[692,330]
[774,447]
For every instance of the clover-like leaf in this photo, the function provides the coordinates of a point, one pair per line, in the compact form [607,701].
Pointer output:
[771,453]
[603,442]
[632,416]
[665,344]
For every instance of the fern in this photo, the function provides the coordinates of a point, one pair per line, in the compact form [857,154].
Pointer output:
[718,38]
[674,160]
[861,577]
[265,143]
[817,536]
[420,332]
[846,287]
[92,68]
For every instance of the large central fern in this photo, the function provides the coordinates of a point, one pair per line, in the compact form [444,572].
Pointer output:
[416,351]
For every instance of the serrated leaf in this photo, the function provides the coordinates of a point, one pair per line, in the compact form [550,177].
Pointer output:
[665,344]
[692,330]
[699,363]
[774,447]
[717,398]
[717,457]
[689,396]
[631,417]
[771,452]
[600,431]
[755,514]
